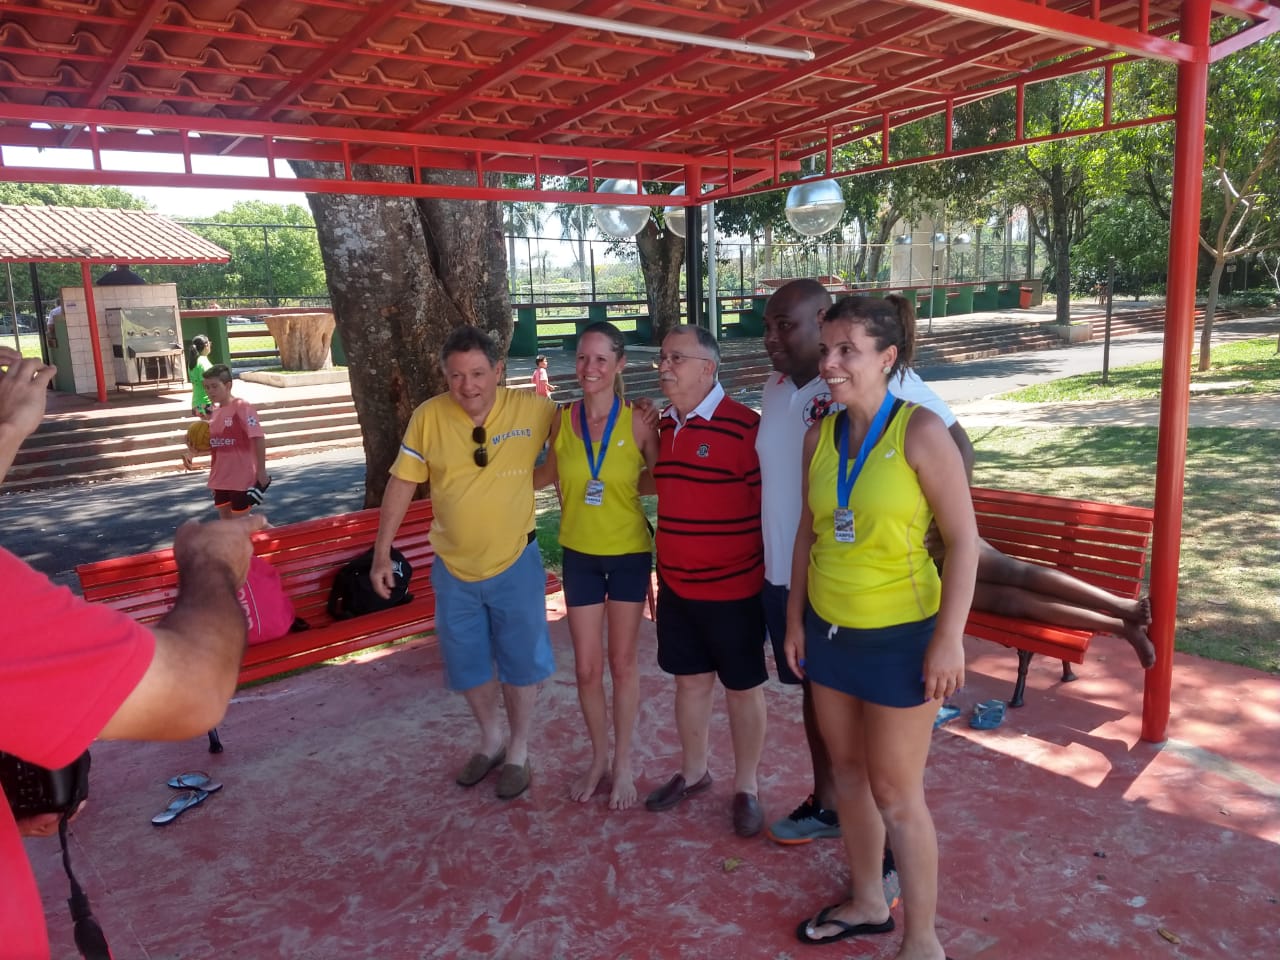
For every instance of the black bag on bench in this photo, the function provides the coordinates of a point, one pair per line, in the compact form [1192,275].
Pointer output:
[352,594]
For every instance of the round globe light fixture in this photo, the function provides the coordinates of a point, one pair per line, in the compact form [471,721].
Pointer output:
[962,241]
[815,207]
[619,221]
[674,216]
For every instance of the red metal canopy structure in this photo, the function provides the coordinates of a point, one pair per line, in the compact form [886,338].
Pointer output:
[727,96]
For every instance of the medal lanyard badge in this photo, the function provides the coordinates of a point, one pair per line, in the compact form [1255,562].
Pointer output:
[846,477]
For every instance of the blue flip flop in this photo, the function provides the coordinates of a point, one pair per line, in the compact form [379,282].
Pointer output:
[946,713]
[199,780]
[987,715]
[182,802]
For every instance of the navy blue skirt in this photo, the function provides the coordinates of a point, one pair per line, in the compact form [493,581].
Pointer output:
[884,665]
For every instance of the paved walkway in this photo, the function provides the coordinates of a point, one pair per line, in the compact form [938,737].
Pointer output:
[339,832]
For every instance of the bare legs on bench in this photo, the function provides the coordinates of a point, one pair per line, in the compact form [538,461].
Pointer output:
[520,702]
[1015,588]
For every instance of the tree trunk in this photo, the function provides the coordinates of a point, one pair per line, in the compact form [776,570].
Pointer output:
[661,257]
[1061,236]
[1210,307]
[403,273]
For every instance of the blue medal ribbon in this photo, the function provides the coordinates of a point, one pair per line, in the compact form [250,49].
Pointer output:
[593,463]
[846,478]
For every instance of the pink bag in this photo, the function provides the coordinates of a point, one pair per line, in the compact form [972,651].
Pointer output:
[268,611]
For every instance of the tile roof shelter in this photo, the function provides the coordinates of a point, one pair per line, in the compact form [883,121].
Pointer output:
[733,96]
[92,235]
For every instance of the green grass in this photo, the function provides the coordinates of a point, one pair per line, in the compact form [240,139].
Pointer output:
[1255,361]
[28,343]
[1229,580]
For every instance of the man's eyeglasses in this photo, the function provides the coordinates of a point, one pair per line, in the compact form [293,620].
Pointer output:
[675,359]
[481,454]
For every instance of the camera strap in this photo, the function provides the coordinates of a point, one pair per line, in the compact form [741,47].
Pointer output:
[89,938]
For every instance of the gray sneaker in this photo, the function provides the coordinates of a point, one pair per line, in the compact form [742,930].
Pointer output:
[806,823]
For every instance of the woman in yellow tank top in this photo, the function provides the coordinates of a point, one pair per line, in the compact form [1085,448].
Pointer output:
[598,452]
[877,633]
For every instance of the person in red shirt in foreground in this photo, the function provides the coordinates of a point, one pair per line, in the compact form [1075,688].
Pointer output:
[72,671]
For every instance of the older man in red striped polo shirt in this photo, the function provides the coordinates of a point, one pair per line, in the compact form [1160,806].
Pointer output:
[710,570]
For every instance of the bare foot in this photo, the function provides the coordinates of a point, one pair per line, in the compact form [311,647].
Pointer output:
[584,787]
[623,795]
[1142,611]
[1141,643]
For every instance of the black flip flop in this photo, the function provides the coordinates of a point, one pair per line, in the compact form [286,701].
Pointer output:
[847,930]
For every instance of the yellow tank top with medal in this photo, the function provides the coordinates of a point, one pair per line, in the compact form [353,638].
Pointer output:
[869,567]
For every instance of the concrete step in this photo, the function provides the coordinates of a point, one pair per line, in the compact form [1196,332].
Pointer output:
[152,447]
[153,426]
[78,421]
[158,437]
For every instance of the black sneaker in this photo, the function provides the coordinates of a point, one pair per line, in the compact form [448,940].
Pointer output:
[806,823]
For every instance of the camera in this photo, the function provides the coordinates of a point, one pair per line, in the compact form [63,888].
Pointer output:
[32,790]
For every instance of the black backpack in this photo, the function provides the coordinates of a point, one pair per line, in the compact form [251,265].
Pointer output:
[352,594]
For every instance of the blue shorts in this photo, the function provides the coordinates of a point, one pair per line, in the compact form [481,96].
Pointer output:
[500,620]
[774,599]
[883,665]
[589,579]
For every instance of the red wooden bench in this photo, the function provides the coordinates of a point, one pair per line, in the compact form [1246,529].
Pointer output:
[307,556]
[1100,543]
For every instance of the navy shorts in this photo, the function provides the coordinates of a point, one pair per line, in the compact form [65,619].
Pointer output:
[884,665]
[774,599]
[725,637]
[239,500]
[590,579]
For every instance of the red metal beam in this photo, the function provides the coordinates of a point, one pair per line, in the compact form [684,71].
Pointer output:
[378,16]
[1175,383]
[393,139]
[773,83]
[1041,19]
[95,341]
[549,42]
[1246,37]
[833,109]
[964,152]
[143,19]
[770,15]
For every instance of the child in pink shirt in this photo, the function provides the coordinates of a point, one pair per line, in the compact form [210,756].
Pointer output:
[238,474]
[541,382]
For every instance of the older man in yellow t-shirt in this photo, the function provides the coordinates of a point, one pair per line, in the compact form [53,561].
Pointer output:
[477,445]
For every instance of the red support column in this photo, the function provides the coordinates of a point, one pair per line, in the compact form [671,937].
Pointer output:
[1171,453]
[92,309]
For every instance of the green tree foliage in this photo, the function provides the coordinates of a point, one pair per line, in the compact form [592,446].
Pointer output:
[1240,200]
[274,255]
[1054,179]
